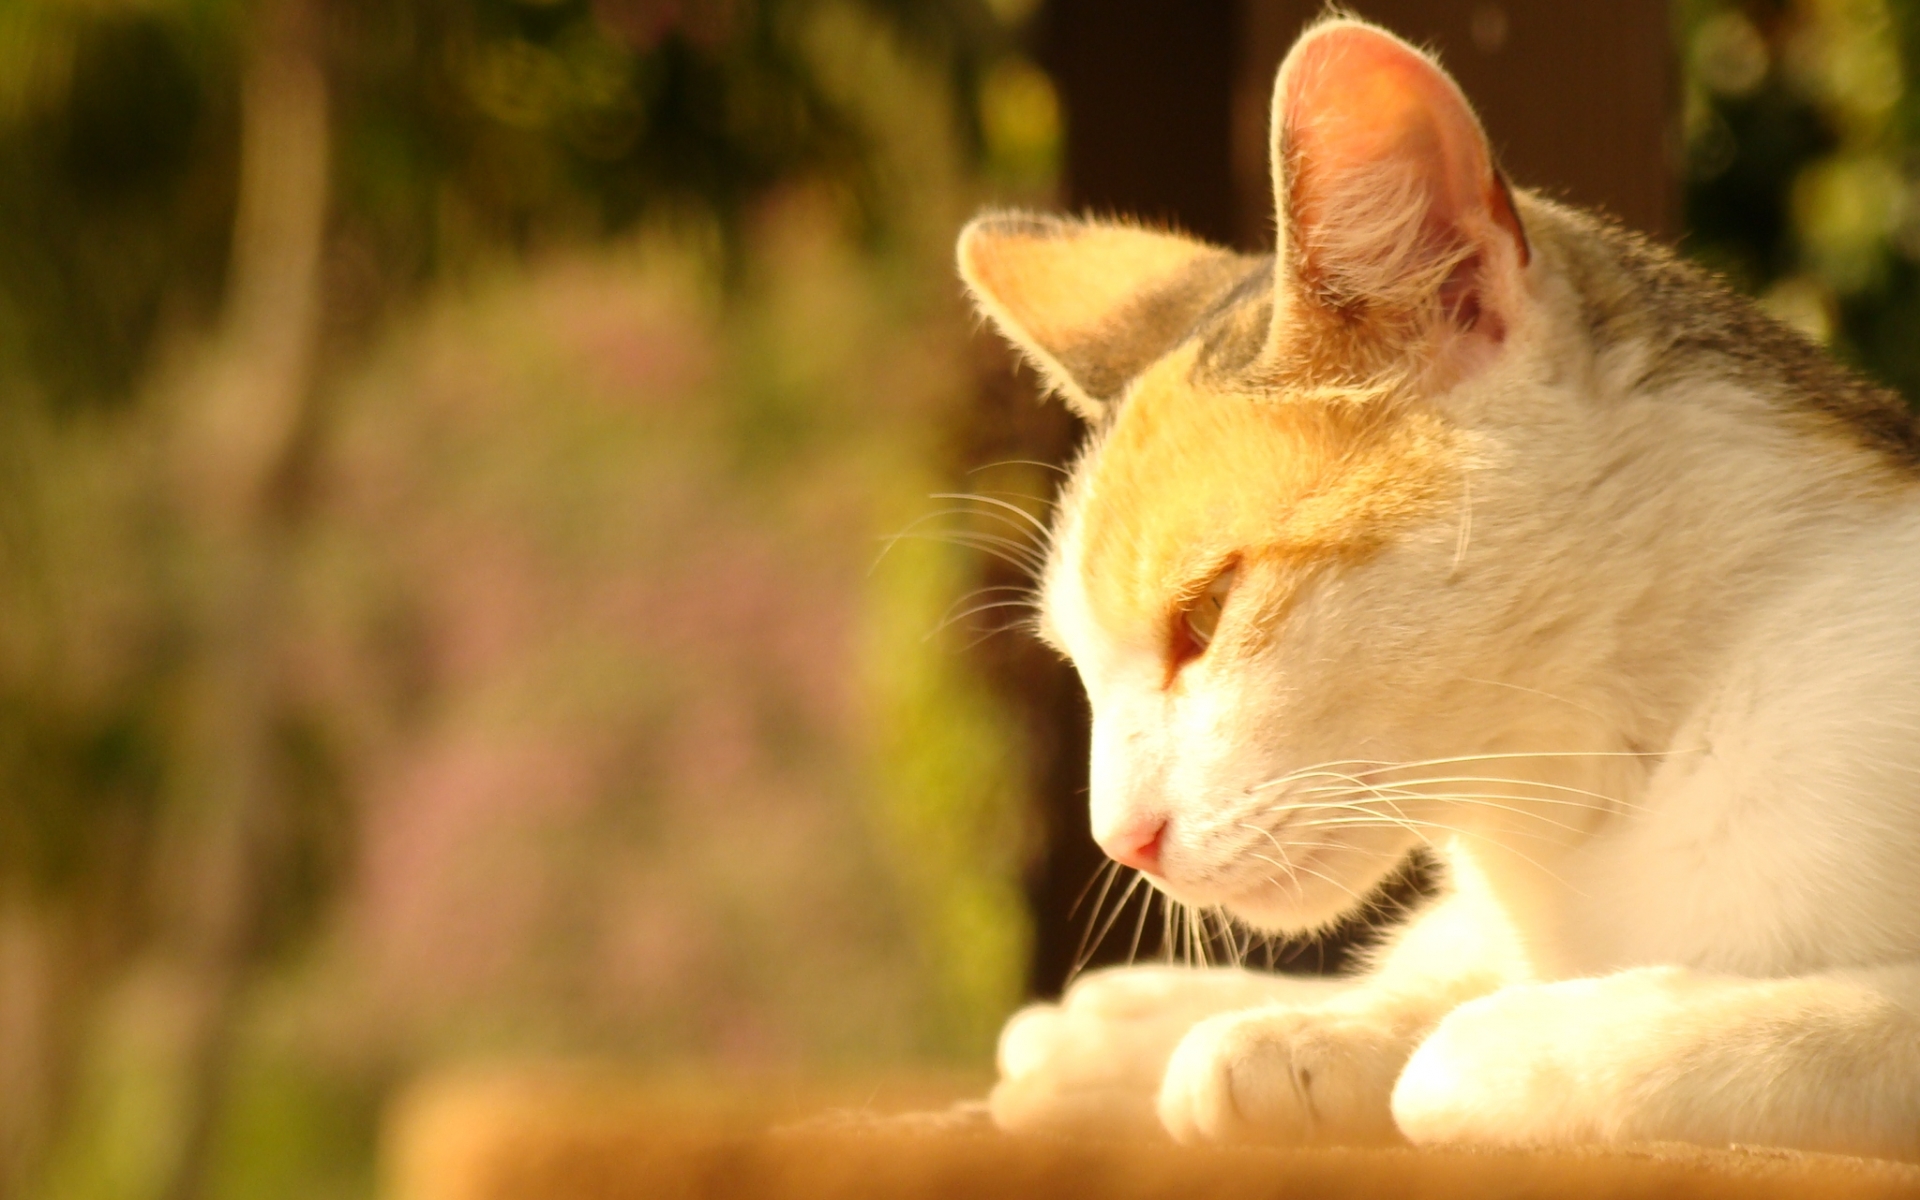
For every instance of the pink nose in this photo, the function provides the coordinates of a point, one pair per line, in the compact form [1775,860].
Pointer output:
[1137,844]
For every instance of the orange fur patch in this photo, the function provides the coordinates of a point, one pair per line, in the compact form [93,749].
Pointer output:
[1057,287]
[1091,302]
[1189,478]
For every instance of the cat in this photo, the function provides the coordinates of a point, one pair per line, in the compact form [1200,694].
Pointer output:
[1470,521]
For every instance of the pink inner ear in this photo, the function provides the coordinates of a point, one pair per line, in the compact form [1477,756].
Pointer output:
[1367,125]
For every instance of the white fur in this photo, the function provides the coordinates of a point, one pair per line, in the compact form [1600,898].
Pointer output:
[1666,672]
[1719,622]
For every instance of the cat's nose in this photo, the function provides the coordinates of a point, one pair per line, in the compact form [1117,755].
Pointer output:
[1136,844]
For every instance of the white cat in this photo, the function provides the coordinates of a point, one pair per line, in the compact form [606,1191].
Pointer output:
[1471,522]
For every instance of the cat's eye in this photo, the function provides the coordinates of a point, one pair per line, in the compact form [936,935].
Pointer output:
[1200,620]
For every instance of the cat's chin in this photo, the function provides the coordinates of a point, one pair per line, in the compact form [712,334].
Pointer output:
[1268,911]
[1327,885]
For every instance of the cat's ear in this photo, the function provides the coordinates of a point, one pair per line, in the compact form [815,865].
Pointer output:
[1396,225]
[1092,303]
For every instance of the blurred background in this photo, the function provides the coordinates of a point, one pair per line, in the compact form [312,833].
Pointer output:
[512,545]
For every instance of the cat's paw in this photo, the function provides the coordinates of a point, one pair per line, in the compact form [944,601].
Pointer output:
[1582,1060]
[1282,1076]
[1093,1063]
[1669,1055]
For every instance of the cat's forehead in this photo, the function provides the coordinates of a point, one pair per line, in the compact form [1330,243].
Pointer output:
[1196,469]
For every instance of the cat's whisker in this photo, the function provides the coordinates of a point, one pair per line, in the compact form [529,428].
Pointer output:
[1091,947]
[1208,934]
[1025,590]
[1103,875]
[1021,462]
[993,514]
[1371,819]
[1605,801]
[913,526]
[1344,782]
[1410,823]
[988,544]
[1022,596]
[1496,756]
[1267,833]
[1030,520]
[1285,868]
[1360,814]
[1521,687]
[1019,551]
[1493,799]
[1033,550]
[1231,934]
[1370,816]
[1604,797]
[1331,765]
[1028,624]
[1602,802]
[1466,525]
[1494,802]
[1385,796]
[1140,926]
[1285,862]
[1295,870]
[1012,550]
[975,611]
[1476,799]
[909,533]
[1518,791]
[1027,531]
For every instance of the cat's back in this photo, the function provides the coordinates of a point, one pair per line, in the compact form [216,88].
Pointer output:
[1684,327]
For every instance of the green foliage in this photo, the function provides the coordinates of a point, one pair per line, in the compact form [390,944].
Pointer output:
[460,129]
[296,1130]
[946,805]
[1802,127]
[85,650]
[559,525]
[116,163]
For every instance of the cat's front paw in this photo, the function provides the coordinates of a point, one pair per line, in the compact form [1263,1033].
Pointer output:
[1285,1077]
[1093,1064]
[1582,1060]
[1665,1054]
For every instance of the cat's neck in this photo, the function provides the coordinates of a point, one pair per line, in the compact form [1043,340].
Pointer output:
[1696,583]
[1641,551]
[1657,515]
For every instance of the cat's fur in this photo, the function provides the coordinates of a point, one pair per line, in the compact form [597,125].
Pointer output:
[1468,520]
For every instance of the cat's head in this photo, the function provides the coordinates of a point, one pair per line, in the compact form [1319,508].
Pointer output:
[1257,567]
